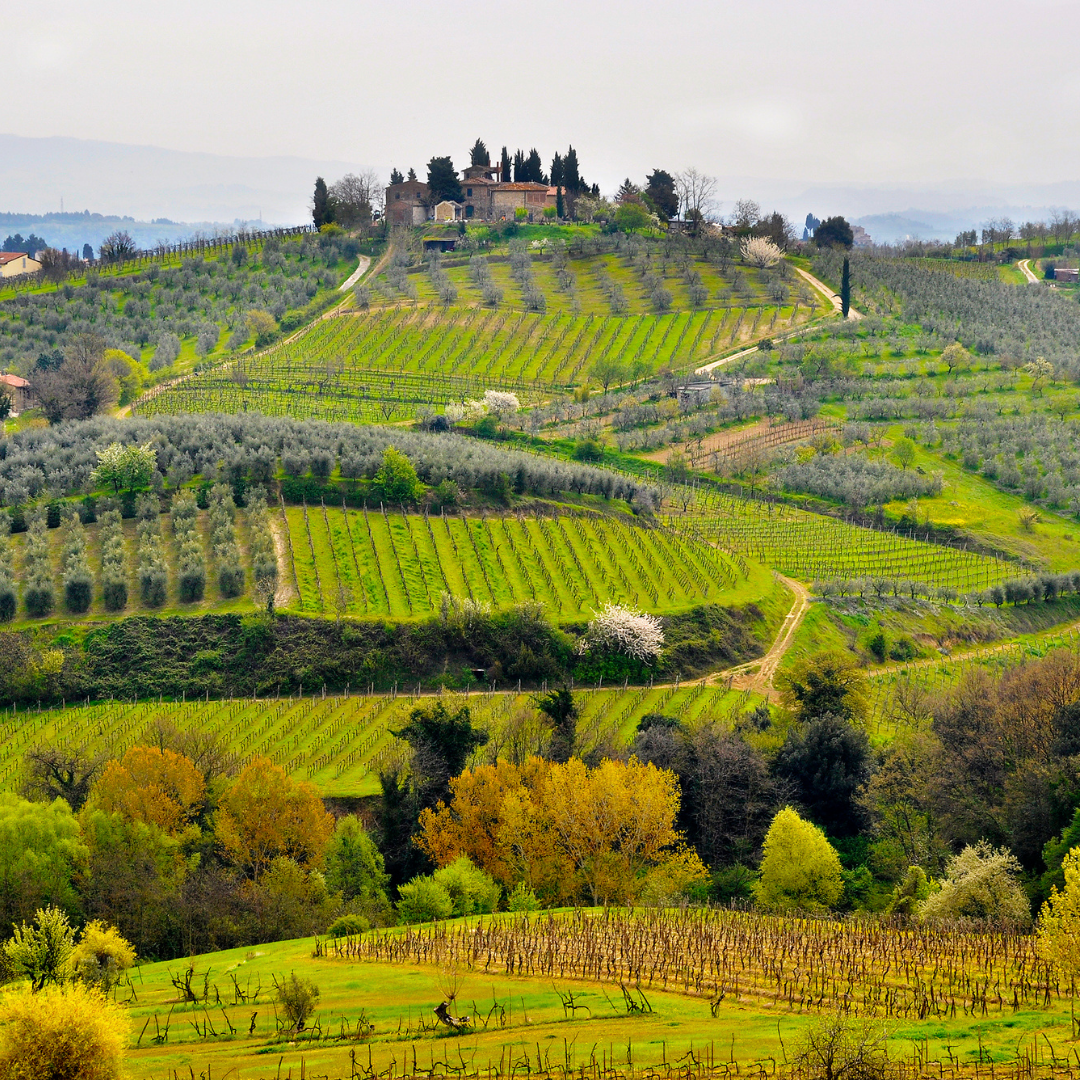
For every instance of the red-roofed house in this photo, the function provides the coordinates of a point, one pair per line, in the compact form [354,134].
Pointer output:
[16,263]
[18,390]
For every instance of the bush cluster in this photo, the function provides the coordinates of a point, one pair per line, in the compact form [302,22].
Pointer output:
[190,558]
[78,582]
[153,574]
[857,481]
[38,594]
[223,541]
[114,586]
[250,447]
[263,551]
[8,595]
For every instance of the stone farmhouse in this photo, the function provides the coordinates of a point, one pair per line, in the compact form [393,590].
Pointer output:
[484,198]
[16,263]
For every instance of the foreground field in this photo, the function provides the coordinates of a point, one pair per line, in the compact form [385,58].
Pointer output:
[583,991]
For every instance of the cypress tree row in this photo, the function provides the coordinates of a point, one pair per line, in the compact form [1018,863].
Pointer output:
[114,586]
[223,540]
[78,582]
[38,596]
[153,575]
[190,554]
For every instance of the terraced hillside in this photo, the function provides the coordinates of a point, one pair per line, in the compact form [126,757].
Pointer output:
[422,340]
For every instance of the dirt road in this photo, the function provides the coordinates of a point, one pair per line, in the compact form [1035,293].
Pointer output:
[758,675]
[1024,266]
[832,297]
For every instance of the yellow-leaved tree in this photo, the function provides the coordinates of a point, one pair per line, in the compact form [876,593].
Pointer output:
[157,787]
[266,816]
[800,870]
[602,835]
[1059,921]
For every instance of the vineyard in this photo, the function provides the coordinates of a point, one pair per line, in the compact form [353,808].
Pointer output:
[338,743]
[793,964]
[383,364]
[374,562]
[815,548]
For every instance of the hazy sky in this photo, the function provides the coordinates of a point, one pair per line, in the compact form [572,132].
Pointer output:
[874,91]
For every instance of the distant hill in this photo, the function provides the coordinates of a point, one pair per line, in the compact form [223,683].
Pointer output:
[148,182]
[71,231]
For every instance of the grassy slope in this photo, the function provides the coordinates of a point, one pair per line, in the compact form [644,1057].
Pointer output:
[338,743]
[398,999]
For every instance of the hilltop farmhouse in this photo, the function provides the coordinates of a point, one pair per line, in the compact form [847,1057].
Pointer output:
[484,198]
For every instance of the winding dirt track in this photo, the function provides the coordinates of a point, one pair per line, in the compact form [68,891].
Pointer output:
[1024,266]
[757,675]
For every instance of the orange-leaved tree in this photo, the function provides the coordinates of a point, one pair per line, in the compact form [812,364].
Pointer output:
[266,816]
[156,787]
[601,835]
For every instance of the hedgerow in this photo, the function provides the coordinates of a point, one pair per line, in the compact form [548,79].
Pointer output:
[251,446]
[857,481]
[263,552]
[38,594]
[153,574]
[190,558]
[78,582]
[114,586]
[223,541]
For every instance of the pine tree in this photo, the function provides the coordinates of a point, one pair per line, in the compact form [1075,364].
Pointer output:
[396,177]
[534,168]
[322,210]
[443,180]
[845,289]
[504,166]
[412,174]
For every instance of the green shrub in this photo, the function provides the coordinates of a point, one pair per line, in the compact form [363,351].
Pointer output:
[78,593]
[521,898]
[471,890]
[8,601]
[348,926]
[423,900]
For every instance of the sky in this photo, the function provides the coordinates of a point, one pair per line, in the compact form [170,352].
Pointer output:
[874,93]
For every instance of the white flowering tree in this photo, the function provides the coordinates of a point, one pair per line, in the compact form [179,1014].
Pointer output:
[622,630]
[501,403]
[761,252]
[457,411]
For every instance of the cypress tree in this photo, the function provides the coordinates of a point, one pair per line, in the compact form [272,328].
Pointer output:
[845,288]
[504,165]
[322,213]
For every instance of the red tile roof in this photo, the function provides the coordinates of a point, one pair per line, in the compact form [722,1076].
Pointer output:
[11,256]
[14,380]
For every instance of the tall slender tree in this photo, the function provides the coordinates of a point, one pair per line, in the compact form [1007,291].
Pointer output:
[519,166]
[571,175]
[322,210]
[504,166]
[845,288]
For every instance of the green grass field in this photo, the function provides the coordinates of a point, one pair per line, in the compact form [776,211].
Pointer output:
[521,1025]
[339,743]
